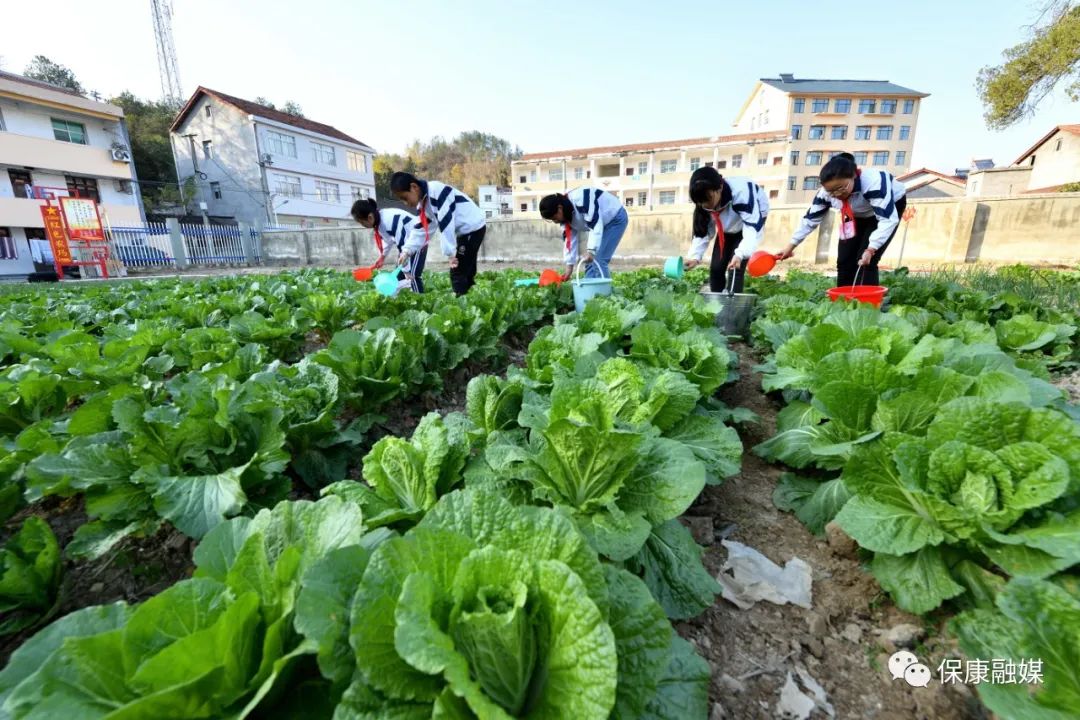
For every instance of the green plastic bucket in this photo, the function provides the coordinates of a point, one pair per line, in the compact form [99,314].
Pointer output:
[673,268]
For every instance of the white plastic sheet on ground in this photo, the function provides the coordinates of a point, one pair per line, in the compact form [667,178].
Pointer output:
[748,576]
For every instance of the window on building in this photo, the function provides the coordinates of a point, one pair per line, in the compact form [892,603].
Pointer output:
[862,132]
[215,187]
[763,159]
[3,127]
[860,157]
[905,132]
[524,207]
[839,132]
[22,184]
[359,193]
[901,158]
[736,161]
[579,173]
[888,106]
[868,107]
[909,107]
[642,199]
[817,132]
[811,182]
[487,198]
[774,194]
[881,158]
[67,131]
[287,185]
[488,213]
[1057,145]
[207,110]
[1032,163]
[796,132]
[753,123]
[813,157]
[280,144]
[669,166]
[629,171]
[778,160]
[820,105]
[355,161]
[555,174]
[629,201]
[720,164]
[884,132]
[7,245]
[208,149]
[83,187]
[799,105]
[643,167]
[791,182]
[523,179]
[123,186]
[532,176]
[794,157]
[695,163]
[323,154]
[667,197]
[327,191]
[841,106]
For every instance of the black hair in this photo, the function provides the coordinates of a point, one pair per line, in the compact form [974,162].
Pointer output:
[364,207]
[550,203]
[840,166]
[402,181]
[703,181]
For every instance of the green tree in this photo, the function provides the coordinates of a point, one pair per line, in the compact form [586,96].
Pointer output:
[148,124]
[1033,68]
[44,69]
[292,108]
[466,162]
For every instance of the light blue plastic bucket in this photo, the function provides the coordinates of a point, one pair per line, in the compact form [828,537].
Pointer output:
[525,282]
[673,267]
[386,283]
[585,289]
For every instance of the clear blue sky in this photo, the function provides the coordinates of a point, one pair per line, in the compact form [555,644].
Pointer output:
[547,75]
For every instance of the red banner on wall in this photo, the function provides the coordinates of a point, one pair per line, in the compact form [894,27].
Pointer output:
[54,231]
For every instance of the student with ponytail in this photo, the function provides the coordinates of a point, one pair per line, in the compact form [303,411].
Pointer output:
[870,204]
[446,210]
[392,227]
[734,210]
[587,209]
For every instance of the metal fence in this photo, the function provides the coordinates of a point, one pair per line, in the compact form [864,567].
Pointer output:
[157,245]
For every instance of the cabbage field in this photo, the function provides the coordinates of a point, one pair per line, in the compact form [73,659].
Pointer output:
[285,496]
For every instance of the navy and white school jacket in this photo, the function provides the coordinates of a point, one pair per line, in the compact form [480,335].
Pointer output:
[593,208]
[747,211]
[394,227]
[449,212]
[875,193]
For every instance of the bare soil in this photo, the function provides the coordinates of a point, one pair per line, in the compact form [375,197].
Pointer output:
[841,641]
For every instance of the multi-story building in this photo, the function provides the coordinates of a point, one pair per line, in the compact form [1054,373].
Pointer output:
[54,143]
[494,200]
[785,131]
[253,164]
[1054,160]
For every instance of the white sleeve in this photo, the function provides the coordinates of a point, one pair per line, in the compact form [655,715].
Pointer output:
[884,205]
[753,217]
[698,247]
[819,206]
[596,234]
[415,239]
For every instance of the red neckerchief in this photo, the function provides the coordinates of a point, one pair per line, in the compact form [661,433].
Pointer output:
[719,230]
[424,222]
[846,213]
[378,238]
[568,233]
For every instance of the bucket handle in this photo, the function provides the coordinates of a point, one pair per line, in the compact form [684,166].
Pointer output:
[856,280]
[731,283]
[577,271]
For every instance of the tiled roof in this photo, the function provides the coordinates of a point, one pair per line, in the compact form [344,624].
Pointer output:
[662,145]
[927,171]
[1051,189]
[1073,129]
[38,83]
[791,84]
[264,112]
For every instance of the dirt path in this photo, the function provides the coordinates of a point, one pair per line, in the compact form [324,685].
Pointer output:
[842,642]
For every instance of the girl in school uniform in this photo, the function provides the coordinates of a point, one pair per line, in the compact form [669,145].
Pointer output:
[446,210]
[587,209]
[870,204]
[734,210]
[392,227]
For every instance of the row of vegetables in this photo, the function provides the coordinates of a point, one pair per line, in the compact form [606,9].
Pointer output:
[520,559]
[931,435]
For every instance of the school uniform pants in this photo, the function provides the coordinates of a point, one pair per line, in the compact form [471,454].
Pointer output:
[415,268]
[850,250]
[463,277]
[609,241]
[721,258]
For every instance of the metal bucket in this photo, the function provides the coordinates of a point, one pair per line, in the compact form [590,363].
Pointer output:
[735,311]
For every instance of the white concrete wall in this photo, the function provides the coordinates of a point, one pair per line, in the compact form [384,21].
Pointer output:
[1056,166]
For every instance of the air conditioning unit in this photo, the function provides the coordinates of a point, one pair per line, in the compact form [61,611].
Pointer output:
[121,154]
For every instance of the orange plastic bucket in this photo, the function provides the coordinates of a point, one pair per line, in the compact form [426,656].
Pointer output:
[362,274]
[872,294]
[761,263]
[550,277]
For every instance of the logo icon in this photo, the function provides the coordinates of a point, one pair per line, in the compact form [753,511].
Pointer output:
[900,661]
[917,675]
